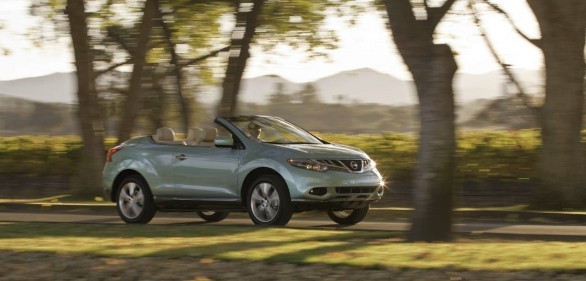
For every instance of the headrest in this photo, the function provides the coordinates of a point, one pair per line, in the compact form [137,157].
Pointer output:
[165,134]
[210,135]
[193,134]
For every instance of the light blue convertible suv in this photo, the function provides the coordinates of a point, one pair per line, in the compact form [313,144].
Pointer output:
[264,165]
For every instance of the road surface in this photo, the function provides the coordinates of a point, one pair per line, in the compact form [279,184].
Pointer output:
[536,230]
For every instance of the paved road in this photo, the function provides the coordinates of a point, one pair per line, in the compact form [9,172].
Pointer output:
[561,231]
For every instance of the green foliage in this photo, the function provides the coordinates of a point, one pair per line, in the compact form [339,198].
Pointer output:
[196,28]
[297,23]
[394,153]
[496,157]
[113,29]
[41,155]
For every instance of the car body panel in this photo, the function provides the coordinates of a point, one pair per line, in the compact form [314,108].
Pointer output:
[326,151]
[183,173]
[152,161]
[299,180]
[207,172]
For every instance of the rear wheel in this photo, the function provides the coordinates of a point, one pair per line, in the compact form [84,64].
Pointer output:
[213,216]
[349,217]
[268,201]
[135,201]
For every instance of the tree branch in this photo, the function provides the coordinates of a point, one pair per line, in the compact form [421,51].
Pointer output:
[113,33]
[435,15]
[208,1]
[495,7]
[112,67]
[204,57]
[402,22]
[197,60]
[426,5]
[521,94]
[134,98]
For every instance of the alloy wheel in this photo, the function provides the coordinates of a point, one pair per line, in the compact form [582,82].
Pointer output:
[265,202]
[131,200]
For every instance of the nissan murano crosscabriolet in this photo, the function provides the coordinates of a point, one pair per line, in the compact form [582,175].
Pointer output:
[263,165]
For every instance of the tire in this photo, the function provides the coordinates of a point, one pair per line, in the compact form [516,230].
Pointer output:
[213,216]
[134,201]
[268,201]
[349,217]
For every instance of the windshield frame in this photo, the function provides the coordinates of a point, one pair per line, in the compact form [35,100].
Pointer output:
[273,130]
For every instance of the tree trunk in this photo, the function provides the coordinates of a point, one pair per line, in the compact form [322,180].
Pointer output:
[432,217]
[562,25]
[133,99]
[177,71]
[246,23]
[92,131]
[433,68]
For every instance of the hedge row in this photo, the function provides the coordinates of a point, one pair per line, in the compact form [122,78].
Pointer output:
[481,156]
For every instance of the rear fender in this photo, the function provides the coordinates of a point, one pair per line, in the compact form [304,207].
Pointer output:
[157,183]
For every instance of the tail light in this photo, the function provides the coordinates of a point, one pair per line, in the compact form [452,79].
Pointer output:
[112,151]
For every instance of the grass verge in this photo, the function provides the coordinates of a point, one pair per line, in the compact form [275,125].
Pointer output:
[354,248]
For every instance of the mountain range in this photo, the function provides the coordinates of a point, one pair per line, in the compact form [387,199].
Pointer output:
[354,86]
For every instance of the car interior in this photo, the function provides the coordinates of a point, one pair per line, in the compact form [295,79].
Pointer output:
[195,136]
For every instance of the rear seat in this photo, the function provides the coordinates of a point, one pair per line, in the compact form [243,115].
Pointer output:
[208,137]
[194,136]
[167,136]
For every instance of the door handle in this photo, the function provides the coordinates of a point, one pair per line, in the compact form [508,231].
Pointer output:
[181,157]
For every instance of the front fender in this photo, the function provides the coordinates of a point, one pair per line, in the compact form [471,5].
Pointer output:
[272,164]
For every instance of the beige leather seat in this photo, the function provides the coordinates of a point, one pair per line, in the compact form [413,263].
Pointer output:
[166,135]
[193,136]
[209,137]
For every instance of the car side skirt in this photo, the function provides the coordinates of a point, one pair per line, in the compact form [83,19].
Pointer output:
[170,204]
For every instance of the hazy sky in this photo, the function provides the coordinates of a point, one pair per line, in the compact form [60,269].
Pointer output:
[367,44]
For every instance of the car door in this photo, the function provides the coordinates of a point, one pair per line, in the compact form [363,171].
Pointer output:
[158,160]
[206,173]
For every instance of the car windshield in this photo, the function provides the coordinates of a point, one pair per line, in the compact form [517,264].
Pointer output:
[272,130]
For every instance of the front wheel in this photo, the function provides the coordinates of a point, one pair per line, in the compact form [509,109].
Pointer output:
[135,201]
[213,216]
[268,201]
[349,217]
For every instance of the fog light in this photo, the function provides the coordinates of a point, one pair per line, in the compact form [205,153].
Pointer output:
[380,190]
[319,191]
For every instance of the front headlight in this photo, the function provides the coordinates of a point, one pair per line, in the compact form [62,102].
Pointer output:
[368,164]
[308,164]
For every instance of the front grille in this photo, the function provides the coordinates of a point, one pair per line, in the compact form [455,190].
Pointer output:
[356,189]
[353,165]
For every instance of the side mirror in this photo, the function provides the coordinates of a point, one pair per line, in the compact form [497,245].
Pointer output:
[224,141]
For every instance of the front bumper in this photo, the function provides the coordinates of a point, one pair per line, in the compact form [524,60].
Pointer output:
[311,205]
[108,176]
[308,187]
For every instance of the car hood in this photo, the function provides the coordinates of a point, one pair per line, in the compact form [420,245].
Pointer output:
[325,151]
